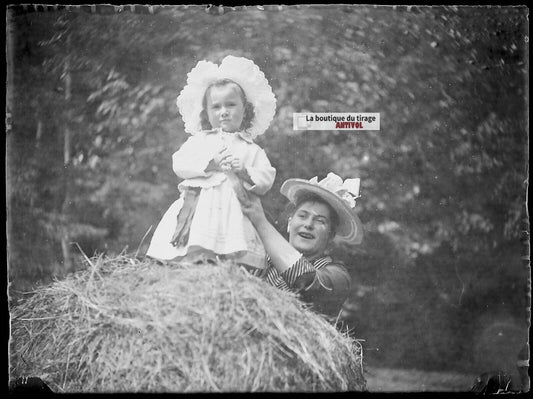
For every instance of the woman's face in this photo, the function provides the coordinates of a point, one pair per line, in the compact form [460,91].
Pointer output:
[310,229]
[225,108]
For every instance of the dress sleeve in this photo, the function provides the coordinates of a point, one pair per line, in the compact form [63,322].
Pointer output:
[192,158]
[261,172]
[326,289]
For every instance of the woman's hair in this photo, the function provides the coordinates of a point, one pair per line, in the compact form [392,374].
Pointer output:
[312,197]
[248,107]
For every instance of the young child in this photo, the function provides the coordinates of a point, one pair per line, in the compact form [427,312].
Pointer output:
[224,108]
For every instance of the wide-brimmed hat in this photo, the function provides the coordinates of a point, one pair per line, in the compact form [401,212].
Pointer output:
[238,69]
[341,195]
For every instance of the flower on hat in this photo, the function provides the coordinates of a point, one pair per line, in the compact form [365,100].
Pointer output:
[339,194]
[347,190]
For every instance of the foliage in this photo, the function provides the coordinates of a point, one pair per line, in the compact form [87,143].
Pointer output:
[443,181]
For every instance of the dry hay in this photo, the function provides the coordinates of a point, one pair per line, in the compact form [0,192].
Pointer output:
[125,325]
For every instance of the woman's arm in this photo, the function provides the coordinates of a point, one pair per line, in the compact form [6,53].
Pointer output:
[282,254]
[326,288]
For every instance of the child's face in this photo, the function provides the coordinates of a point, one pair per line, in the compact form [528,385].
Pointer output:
[225,108]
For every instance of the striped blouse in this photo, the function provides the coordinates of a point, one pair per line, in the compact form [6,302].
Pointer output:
[323,283]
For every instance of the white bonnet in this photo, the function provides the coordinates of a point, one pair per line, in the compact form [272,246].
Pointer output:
[238,69]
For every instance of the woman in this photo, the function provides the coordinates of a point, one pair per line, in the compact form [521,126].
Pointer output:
[322,211]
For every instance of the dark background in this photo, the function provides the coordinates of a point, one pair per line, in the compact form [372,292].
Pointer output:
[440,282]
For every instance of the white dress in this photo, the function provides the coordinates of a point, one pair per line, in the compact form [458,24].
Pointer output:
[218,224]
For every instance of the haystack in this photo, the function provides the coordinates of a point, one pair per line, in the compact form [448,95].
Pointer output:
[125,325]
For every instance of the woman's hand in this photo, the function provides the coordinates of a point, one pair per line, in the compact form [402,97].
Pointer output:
[251,206]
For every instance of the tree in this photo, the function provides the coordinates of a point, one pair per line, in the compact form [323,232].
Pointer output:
[442,183]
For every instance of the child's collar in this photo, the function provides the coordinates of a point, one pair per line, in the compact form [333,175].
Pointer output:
[246,136]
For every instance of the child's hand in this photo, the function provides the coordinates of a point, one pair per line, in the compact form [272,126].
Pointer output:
[221,160]
[236,163]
